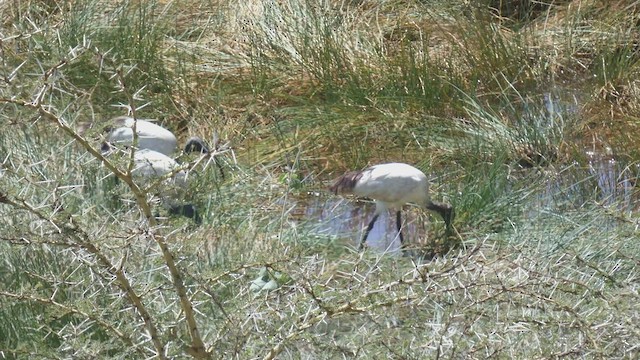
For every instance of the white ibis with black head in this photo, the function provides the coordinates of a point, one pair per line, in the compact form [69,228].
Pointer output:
[150,164]
[152,156]
[151,136]
[391,185]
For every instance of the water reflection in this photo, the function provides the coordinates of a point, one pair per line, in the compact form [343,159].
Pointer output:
[603,180]
[615,182]
[347,218]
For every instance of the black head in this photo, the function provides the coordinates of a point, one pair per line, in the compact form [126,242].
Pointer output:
[195,144]
[445,210]
[106,147]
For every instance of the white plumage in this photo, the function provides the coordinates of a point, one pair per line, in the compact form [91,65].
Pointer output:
[150,136]
[151,164]
[152,157]
[391,185]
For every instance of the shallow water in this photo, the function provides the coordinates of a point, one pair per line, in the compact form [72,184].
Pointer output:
[347,218]
[599,179]
[603,180]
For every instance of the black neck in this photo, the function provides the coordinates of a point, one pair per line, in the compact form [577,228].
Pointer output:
[195,144]
[445,210]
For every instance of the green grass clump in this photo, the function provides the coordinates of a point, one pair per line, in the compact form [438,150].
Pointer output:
[521,113]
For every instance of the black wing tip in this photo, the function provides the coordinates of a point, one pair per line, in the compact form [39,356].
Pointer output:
[346,182]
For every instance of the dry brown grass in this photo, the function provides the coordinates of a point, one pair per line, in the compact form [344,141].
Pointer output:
[303,90]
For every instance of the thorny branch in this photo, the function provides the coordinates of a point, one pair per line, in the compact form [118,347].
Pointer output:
[73,310]
[83,240]
[197,348]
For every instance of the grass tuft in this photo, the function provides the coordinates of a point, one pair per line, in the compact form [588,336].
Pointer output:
[523,114]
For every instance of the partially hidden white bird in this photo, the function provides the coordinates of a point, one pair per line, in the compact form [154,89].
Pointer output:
[150,164]
[391,185]
[151,136]
[152,157]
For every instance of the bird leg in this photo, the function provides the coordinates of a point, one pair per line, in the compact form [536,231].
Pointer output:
[399,226]
[366,232]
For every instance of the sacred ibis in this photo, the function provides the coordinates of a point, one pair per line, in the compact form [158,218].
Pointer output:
[391,185]
[152,157]
[150,164]
[151,136]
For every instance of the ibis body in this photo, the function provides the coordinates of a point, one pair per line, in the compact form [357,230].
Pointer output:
[152,157]
[151,136]
[391,185]
[150,164]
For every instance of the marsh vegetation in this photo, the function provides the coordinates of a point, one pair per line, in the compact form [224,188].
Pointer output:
[524,113]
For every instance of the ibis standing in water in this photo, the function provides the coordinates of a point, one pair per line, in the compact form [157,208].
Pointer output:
[391,185]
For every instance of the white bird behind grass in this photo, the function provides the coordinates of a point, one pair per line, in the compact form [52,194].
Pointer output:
[152,158]
[151,136]
[151,165]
